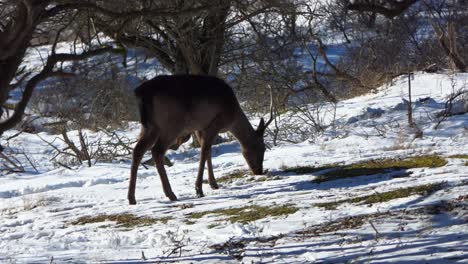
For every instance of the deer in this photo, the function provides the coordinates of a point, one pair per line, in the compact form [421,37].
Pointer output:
[174,106]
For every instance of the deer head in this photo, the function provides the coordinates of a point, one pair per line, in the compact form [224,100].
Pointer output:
[254,153]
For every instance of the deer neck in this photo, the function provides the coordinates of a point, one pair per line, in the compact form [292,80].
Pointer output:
[243,131]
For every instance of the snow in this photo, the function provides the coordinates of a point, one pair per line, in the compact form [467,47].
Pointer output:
[37,208]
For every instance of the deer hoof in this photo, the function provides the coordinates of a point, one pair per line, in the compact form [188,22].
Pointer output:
[214,186]
[200,194]
[172,197]
[132,201]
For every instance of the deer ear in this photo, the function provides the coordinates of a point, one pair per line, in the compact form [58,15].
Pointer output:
[261,127]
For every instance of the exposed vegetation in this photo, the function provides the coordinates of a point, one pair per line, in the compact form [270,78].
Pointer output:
[242,174]
[372,167]
[255,178]
[385,196]
[333,171]
[459,156]
[309,169]
[188,222]
[32,202]
[238,174]
[213,225]
[122,220]
[249,213]
[341,224]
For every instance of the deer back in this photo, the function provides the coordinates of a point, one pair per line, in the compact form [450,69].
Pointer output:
[181,104]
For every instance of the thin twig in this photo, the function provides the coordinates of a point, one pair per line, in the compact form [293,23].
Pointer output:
[377,234]
[16,167]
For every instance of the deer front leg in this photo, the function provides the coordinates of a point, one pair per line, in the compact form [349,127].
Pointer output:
[211,178]
[158,157]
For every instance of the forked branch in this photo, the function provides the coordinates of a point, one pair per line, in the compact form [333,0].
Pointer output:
[47,71]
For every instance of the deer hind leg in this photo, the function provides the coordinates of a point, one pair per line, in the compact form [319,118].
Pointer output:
[145,142]
[158,152]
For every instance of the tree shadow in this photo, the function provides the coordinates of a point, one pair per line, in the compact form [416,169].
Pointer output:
[431,250]
[416,251]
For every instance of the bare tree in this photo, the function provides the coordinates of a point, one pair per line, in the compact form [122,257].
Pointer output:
[443,16]
[185,42]
[389,9]
[21,21]
[23,18]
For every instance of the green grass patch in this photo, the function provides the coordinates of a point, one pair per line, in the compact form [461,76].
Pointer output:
[122,220]
[257,179]
[308,169]
[263,178]
[232,176]
[211,226]
[369,167]
[431,161]
[385,196]
[238,174]
[249,213]
[189,222]
[372,167]
[242,174]
[459,156]
[351,222]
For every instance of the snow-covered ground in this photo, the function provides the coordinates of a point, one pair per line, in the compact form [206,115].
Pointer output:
[39,210]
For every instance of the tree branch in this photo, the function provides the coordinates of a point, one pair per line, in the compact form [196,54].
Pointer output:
[389,9]
[47,71]
[161,12]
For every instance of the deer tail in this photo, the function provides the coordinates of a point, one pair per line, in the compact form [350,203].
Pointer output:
[143,105]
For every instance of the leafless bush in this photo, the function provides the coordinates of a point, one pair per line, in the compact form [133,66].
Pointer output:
[177,242]
[302,122]
[103,146]
[33,201]
[100,101]
[234,248]
[312,116]
[456,103]
[10,163]
[16,161]
[92,100]
[424,36]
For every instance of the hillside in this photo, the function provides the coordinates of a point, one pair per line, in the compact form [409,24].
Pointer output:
[366,190]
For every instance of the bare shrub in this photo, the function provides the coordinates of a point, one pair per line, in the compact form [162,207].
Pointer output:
[32,201]
[90,101]
[103,146]
[177,242]
[16,160]
[422,36]
[303,121]
[456,103]
[10,164]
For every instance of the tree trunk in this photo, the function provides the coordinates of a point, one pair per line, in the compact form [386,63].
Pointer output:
[14,41]
[202,48]
[449,45]
[8,69]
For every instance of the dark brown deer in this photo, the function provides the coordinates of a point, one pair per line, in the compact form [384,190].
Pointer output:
[172,107]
